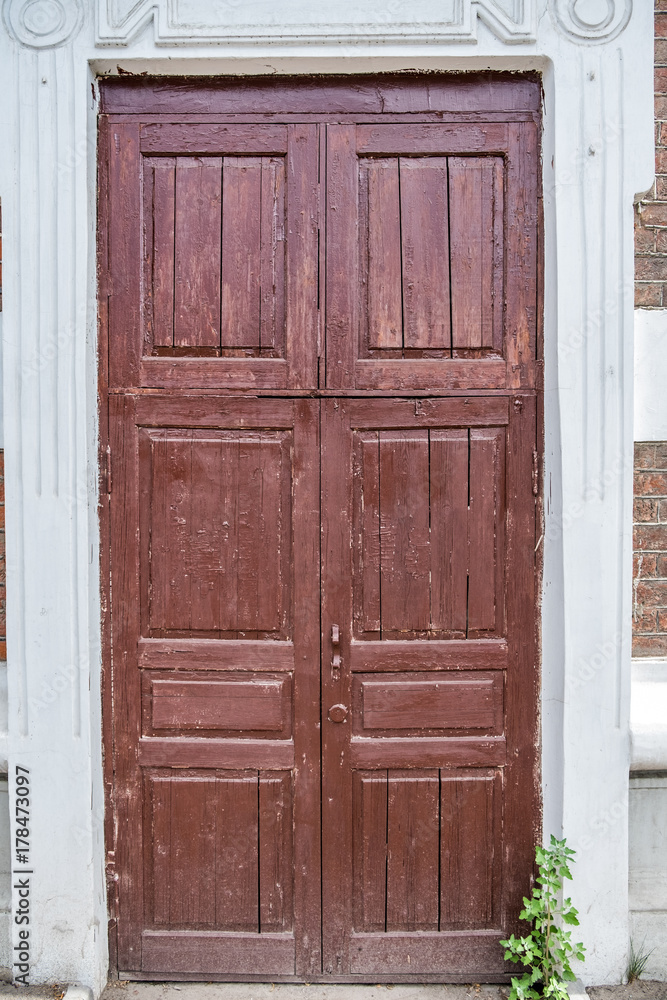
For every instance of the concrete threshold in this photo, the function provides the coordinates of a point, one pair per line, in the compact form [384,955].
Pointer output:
[297,991]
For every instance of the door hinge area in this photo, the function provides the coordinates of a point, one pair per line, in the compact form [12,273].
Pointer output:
[107,471]
[535,472]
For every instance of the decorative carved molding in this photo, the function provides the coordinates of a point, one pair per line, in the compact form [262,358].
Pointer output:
[42,24]
[187,22]
[592,20]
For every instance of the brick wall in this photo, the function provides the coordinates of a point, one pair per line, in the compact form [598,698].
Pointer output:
[651,213]
[649,604]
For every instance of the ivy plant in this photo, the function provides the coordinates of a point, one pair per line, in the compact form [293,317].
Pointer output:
[548,949]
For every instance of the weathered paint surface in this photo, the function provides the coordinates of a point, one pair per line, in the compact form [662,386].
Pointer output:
[356,754]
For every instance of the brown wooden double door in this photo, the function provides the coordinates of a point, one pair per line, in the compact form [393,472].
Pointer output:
[319,372]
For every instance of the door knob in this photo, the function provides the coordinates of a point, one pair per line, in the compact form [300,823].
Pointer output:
[338,713]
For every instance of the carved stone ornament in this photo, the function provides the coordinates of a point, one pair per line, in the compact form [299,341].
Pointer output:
[42,24]
[187,22]
[592,20]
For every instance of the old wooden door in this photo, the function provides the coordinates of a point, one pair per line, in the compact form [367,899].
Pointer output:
[319,372]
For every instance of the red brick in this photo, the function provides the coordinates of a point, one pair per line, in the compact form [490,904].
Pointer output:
[660,5]
[662,621]
[660,25]
[653,268]
[660,241]
[651,594]
[644,620]
[660,108]
[662,512]
[645,239]
[651,537]
[649,645]
[644,455]
[651,484]
[655,213]
[648,293]
[661,188]
[660,80]
[660,460]
[660,52]
[661,565]
[645,565]
[646,511]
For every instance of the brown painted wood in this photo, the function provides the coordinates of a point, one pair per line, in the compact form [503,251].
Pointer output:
[382,95]
[424,703]
[425,252]
[412,851]
[476,233]
[197,254]
[277,812]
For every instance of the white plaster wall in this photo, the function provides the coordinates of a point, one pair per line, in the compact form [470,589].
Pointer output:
[596,61]
[650,375]
[648,870]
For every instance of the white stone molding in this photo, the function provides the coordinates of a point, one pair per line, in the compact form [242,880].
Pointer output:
[189,22]
[42,24]
[596,61]
[592,20]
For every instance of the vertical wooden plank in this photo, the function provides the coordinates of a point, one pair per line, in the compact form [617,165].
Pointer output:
[342,321]
[470,850]
[276,857]
[204,540]
[274,532]
[404,530]
[498,254]
[236,859]
[163,206]
[272,254]
[125,335]
[260,581]
[159,790]
[484,520]
[197,252]
[367,544]
[307,746]
[193,852]
[425,253]
[241,262]
[171,522]
[126,688]
[449,529]
[412,850]
[521,256]
[473,205]
[521,787]
[229,550]
[302,198]
[385,307]
[337,848]
[370,850]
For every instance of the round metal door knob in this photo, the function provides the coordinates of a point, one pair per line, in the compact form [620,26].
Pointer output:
[338,713]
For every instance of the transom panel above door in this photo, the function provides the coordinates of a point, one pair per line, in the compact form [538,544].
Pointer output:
[431,266]
[213,245]
[399,257]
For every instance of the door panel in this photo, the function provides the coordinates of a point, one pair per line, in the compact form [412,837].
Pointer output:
[213,245]
[216,693]
[420,755]
[419,295]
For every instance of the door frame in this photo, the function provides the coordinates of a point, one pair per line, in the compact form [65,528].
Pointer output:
[105,528]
